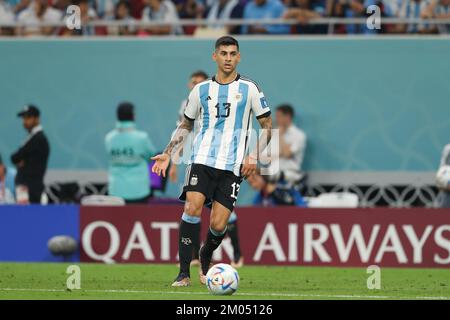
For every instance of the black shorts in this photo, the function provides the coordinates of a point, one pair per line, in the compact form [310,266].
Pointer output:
[215,184]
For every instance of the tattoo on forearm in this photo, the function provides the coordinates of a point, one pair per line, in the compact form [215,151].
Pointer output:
[179,137]
[266,135]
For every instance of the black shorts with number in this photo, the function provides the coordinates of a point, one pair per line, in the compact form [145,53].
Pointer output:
[215,184]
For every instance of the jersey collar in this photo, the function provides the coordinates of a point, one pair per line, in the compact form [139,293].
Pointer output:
[235,79]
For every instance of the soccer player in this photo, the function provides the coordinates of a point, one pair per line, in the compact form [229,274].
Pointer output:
[224,104]
[232,227]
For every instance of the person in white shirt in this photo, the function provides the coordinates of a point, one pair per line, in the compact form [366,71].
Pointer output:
[7,176]
[413,9]
[292,145]
[221,10]
[438,9]
[122,13]
[6,16]
[38,11]
[161,11]
[105,8]
[444,194]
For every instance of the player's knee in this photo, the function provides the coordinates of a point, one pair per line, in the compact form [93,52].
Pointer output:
[218,225]
[192,208]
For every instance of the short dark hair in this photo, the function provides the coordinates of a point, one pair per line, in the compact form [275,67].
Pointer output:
[125,111]
[78,2]
[199,73]
[286,109]
[226,41]
[123,3]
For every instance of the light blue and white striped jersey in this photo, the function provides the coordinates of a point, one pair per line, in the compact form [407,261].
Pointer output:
[225,115]
[413,9]
[442,9]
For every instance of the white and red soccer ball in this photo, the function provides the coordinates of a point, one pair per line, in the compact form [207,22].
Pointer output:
[222,279]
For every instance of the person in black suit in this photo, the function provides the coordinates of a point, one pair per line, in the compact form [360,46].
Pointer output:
[32,157]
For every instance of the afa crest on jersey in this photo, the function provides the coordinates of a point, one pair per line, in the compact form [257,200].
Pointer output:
[194,180]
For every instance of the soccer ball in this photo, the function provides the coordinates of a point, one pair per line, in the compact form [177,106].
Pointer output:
[443,177]
[222,279]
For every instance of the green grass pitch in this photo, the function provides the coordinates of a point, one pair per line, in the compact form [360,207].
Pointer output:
[140,281]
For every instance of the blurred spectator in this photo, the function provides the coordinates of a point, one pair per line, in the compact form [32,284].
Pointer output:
[61,5]
[161,11]
[444,195]
[438,9]
[129,151]
[264,9]
[122,13]
[305,10]
[31,159]
[105,8]
[19,5]
[6,16]
[136,8]
[7,176]
[88,14]
[391,8]
[38,12]
[413,9]
[196,77]
[354,9]
[274,194]
[292,145]
[189,9]
[223,10]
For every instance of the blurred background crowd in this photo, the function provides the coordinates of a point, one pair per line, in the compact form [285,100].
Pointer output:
[128,17]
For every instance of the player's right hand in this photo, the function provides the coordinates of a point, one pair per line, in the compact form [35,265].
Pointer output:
[248,167]
[161,163]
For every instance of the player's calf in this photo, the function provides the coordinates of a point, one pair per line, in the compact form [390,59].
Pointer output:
[213,241]
[189,234]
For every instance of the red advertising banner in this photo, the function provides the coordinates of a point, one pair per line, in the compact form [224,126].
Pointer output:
[276,236]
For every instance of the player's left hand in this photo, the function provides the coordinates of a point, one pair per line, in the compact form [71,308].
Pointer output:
[161,163]
[248,167]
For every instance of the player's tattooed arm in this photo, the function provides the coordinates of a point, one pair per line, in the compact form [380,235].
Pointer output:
[162,160]
[179,136]
[264,137]
[249,164]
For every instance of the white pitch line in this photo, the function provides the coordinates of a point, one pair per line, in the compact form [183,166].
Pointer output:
[238,294]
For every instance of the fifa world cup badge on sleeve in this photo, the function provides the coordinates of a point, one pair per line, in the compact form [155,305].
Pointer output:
[264,102]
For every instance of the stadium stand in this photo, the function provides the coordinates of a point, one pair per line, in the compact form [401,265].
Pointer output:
[183,17]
